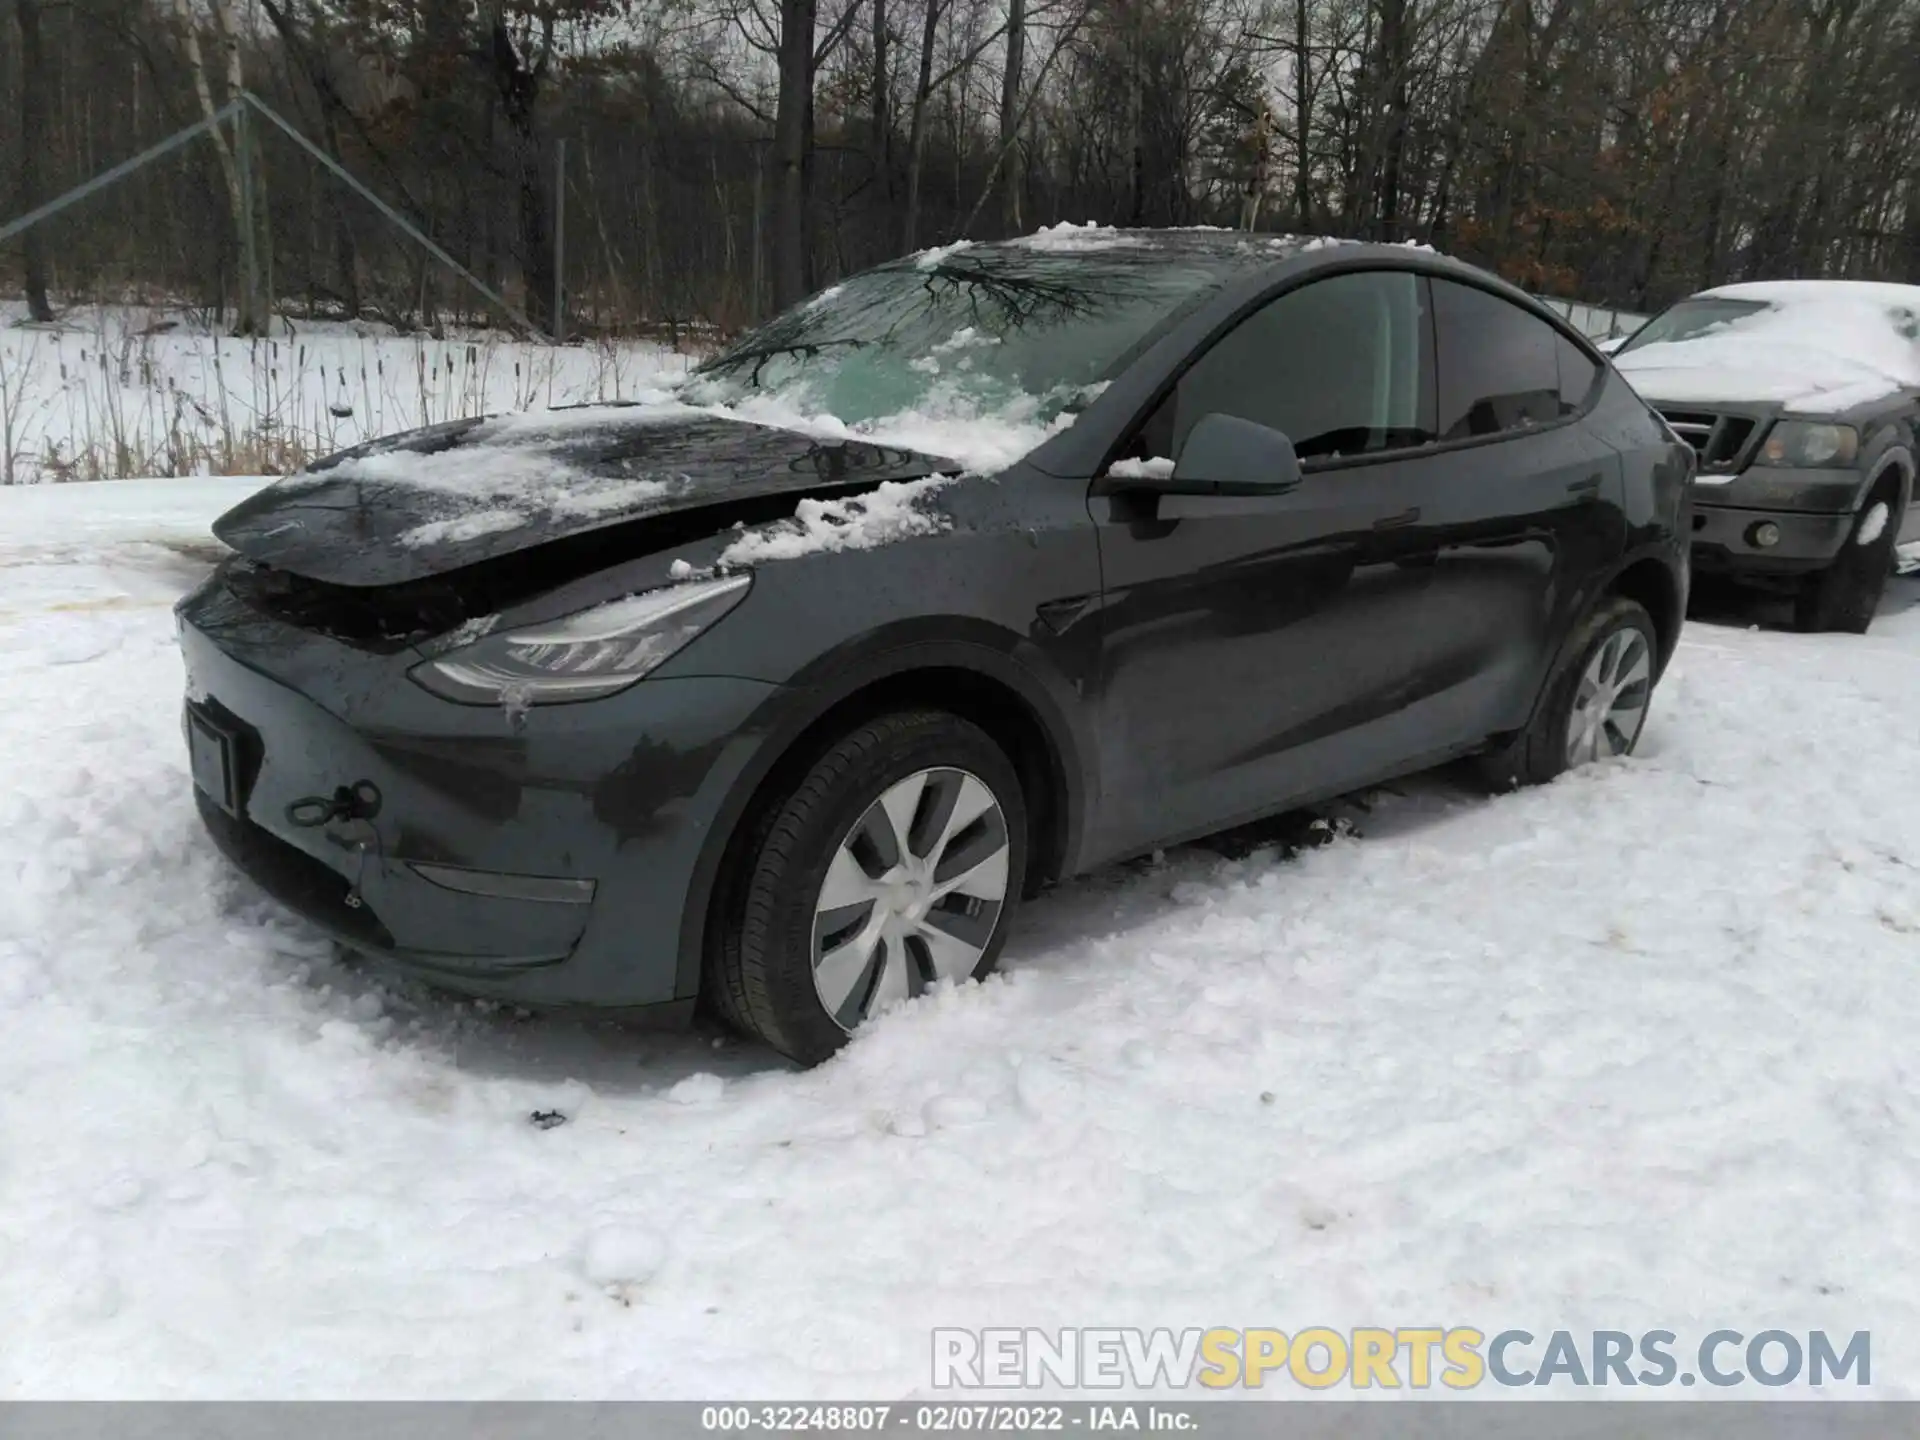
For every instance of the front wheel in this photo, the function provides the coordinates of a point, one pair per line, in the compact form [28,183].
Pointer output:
[1844,596]
[893,864]
[1595,705]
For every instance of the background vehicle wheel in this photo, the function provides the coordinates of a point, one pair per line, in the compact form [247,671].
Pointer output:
[893,864]
[1844,596]
[1595,705]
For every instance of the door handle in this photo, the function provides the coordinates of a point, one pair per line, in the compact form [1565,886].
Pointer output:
[1585,488]
[1409,516]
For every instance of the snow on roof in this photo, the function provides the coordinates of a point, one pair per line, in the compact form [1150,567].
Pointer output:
[1067,236]
[1821,346]
[1804,292]
[931,257]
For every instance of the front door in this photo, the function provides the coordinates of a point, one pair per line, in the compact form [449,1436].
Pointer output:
[1249,641]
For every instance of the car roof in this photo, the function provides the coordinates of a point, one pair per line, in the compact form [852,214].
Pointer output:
[1250,249]
[1789,292]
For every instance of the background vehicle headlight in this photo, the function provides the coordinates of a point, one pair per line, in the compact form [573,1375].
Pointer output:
[1808,445]
[583,656]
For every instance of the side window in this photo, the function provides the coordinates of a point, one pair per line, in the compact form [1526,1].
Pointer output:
[1340,366]
[1577,374]
[1499,366]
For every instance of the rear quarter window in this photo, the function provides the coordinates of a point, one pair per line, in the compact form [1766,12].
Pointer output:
[1577,374]
[1499,367]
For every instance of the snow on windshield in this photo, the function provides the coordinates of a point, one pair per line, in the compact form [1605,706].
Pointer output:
[1806,346]
[981,343]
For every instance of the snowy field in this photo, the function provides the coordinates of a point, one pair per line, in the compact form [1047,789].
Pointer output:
[1635,1050]
[109,392]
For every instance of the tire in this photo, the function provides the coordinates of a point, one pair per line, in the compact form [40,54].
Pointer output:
[1844,596]
[842,824]
[1545,748]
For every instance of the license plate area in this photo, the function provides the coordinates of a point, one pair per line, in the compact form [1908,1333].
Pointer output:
[213,751]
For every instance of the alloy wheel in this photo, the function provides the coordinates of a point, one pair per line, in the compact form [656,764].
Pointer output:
[912,895]
[1610,703]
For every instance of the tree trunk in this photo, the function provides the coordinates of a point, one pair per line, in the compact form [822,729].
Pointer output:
[346,249]
[1136,139]
[33,143]
[1257,174]
[1302,118]
[518,84]
[334,113]
[882,123]
[1393,116]
[790,147]
[917,129]
[1010,175]
[247,319]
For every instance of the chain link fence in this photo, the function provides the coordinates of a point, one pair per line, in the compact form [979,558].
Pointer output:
[1596,322]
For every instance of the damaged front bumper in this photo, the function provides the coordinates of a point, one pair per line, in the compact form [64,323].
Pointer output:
[545,857]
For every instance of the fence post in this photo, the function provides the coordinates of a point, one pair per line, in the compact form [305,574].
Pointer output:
[560,240]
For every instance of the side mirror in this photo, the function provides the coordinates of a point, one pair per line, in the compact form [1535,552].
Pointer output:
[1225,455]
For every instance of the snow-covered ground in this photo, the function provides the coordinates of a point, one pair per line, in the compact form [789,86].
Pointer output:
[1631,1051]
[112,391]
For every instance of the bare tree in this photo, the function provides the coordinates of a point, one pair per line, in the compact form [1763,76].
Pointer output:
[33,144]
[248,316]
[1010,115]
[793,154]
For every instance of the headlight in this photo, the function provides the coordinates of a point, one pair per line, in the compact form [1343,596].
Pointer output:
[583,656]
[1805,445]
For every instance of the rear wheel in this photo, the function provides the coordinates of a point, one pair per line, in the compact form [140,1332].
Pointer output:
[1844,596]
[1596,703]
[892,865]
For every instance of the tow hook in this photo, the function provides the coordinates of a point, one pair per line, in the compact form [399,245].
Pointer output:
[352,806]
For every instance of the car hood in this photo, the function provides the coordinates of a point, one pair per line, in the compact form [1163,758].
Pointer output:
[441,499]
[1736,370]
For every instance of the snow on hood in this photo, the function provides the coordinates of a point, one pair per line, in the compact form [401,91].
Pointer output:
[434,501]
[431,501]
[1820,350]
[858,522]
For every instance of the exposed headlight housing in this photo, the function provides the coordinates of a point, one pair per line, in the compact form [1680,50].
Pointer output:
[582,656]
[1809,445]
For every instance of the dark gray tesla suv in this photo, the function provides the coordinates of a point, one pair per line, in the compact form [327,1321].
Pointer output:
[634,707]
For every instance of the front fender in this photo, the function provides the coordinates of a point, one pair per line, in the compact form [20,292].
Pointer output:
[880,665]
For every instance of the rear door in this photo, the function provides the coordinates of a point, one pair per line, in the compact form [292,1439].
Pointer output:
[1523,508]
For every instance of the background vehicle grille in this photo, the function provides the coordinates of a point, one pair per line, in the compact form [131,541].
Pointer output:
[1721,441]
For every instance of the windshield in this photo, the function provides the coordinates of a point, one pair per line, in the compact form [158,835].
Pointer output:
[1691,319]
[993,330]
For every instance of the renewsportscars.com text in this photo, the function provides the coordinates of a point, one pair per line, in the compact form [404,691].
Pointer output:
[1418,1358]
